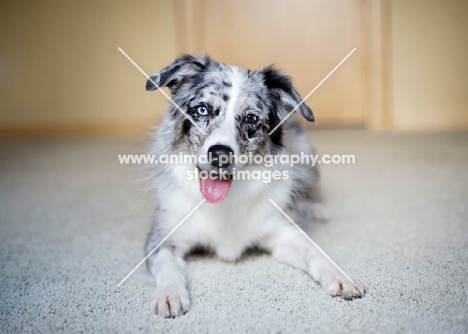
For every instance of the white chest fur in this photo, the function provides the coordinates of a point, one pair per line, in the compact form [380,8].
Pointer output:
[228,228]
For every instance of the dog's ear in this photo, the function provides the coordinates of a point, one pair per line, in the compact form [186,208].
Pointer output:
[284,95]
[179,72]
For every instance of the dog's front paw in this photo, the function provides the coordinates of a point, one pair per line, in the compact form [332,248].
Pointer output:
[336,284]
[171,301]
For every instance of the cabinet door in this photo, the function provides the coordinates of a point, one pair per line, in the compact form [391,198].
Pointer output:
[306,39]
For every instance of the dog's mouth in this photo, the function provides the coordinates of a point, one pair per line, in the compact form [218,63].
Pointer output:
[214,186]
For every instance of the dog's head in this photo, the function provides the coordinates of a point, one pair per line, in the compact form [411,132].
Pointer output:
[233,108]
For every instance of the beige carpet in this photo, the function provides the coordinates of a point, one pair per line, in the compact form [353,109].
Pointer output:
[73,223]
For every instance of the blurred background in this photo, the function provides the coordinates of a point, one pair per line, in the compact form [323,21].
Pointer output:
[73,220]
[61,73]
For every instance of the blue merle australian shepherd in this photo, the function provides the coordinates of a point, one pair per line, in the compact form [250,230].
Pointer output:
[236,108]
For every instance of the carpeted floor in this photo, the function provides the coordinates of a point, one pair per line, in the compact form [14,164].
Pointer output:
[73,222]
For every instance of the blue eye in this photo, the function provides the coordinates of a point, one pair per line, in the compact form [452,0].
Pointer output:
[202,110]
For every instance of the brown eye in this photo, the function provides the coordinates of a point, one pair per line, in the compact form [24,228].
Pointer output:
[251,118]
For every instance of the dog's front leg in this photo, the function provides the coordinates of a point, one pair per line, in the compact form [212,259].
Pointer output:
[288,245]
[167,268]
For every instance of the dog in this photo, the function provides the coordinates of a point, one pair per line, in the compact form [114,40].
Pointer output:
[221,110]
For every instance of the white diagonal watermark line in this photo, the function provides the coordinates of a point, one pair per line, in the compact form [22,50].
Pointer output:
[312,91]
[313,243]
[163,92]
[160,243]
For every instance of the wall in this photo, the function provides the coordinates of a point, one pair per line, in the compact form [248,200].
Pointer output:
[429,66]
[60,67]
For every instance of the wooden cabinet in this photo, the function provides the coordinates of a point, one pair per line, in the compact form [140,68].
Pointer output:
[306,39]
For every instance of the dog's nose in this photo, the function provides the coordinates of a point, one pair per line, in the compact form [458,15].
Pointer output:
[220,156]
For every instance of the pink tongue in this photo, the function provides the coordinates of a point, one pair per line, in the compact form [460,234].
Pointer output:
[214,191]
